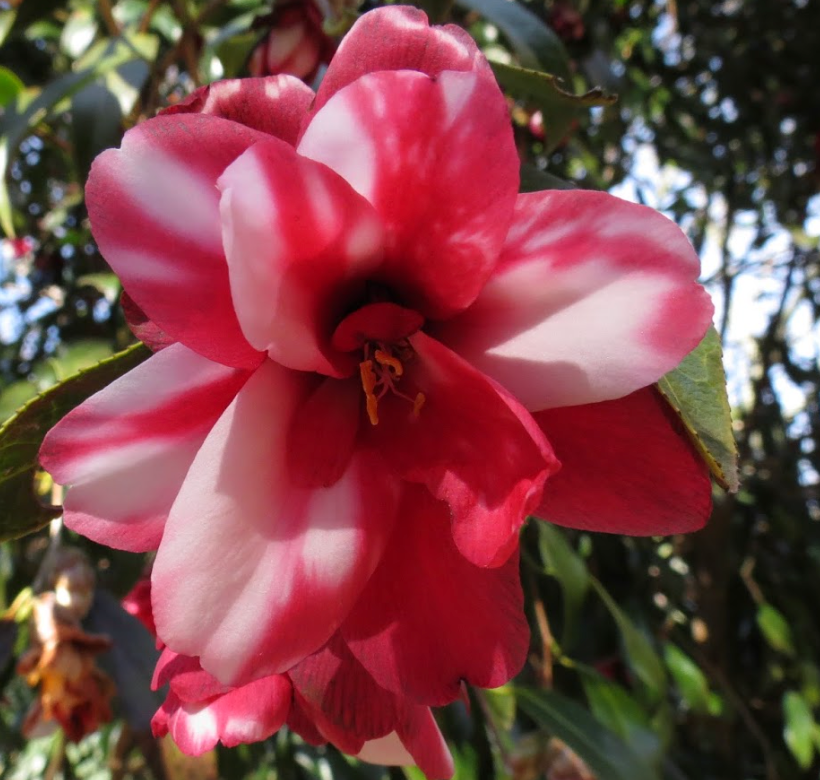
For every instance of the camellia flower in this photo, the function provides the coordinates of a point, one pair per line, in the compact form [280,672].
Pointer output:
[379,353]
[199,711]
[296,42]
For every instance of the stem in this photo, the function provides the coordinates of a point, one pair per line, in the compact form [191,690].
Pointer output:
[107,13]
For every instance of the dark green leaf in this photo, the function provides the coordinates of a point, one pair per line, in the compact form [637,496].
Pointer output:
[562,562]
[96,124]
[8,638]
[560,108]
[536,46]
[798,728]
[614,708]
[696,390]
[534,180]
[21,435]
[22,115]
[233,53]
[605,754]
[28,12]
[640,653]
[130,661]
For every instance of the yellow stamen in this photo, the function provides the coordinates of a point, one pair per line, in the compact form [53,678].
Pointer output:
[369,381]
[384,359]
[418,403]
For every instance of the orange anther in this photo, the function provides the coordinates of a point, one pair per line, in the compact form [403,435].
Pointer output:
[368,375]
[385,359]
[418,403]
[373,409]
[369,382]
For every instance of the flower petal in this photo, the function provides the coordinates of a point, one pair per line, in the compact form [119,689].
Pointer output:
[342,699]
[255,572]
[299,722]
[627,468]
[300,245]
[145,330]
[386,751]
[254,711]
[277,105]
[399,38]
[594,298]
[424,741]
[470,445]
[248,714]
[154,212]
[127,449]
[420,635]
[347,707]
[437,160]
[186,678]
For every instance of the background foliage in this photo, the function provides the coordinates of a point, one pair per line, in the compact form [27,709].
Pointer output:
[687,657]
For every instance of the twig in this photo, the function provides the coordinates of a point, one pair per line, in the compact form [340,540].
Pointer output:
[545,665]
[110,22]
[744,712]
[145,22]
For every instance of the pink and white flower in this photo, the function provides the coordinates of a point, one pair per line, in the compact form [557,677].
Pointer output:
[199,711]
[295,43]
[379,354]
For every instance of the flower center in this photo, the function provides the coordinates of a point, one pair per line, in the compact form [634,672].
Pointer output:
[381,370]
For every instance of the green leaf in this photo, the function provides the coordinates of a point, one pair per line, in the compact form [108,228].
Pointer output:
[605,754]
[501,704]
[536,46]
[14,395]
[696,390]
[10,86]
[21,115]
[233,53]
[690,680]
[640,654]
[22,434]
[798,728]
[562,562]
[130,661]
[559,107]
[6,23]
[103,282]
[775,629]
[28,13]
[96,124]
[615,709]
[6,212]
[78,32]
[534,180]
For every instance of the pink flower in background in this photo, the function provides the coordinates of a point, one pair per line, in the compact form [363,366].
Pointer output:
[376,346]
[296,42]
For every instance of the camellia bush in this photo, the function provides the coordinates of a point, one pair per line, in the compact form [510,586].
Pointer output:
[350,427]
